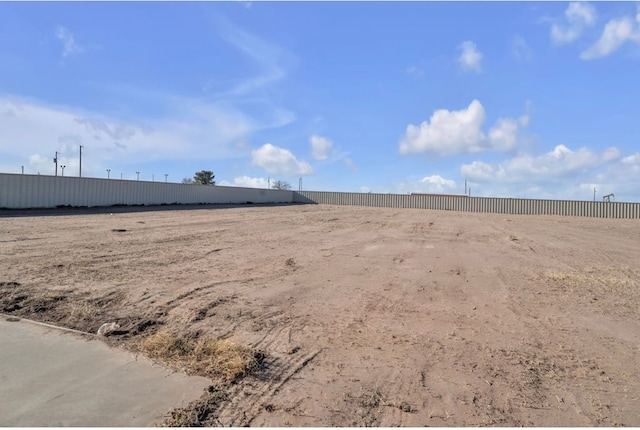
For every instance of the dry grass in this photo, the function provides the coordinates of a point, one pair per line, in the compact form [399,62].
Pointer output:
[199,413]
[598,278]
[82,310]
[212,358]
[608,290]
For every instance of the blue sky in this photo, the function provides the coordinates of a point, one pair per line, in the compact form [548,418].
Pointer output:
[520,99]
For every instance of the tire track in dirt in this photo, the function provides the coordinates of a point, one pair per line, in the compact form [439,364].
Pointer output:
[421,318]
[254,394]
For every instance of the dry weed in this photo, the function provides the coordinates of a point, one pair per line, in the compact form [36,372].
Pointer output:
[212,358]
[199,413]
[597,279]
[82,310]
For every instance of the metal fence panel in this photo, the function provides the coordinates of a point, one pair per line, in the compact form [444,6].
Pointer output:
[43,191]
[478,204]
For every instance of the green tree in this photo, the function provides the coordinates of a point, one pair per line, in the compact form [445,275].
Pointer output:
[187,181]
[281,185]
[204,177]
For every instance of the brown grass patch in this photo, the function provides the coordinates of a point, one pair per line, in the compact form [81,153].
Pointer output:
[213,358]
[608,290]
[83,310]
[199,413]
[598,279]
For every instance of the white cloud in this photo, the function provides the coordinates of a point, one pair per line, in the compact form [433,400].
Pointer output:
[581,12]
[456,132]
[247,182]
[470,58]
[552,166]
[629,169]
[632,159]
[428,184]
[323,149]
[482,172]
[616,32]
[279,161]
[447,132]
[521,49]
[503,135]
[350,164]
[69,44]
[320,147]
[579,15]
[437,183]
[622,177]
[269,65]
[560,173]
[41,164]
[560,36]
[415,71]
[272,61]
[35,130]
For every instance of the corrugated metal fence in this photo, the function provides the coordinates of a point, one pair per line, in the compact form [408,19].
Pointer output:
[475,204]
[41,191]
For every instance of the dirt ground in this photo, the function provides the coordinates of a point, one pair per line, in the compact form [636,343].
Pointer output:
[365,316]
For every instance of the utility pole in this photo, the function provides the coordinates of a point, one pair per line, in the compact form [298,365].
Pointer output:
[594,194]
[300,185]
[55,160]
[465,187]
[80,161]
[23,170]
[269,182]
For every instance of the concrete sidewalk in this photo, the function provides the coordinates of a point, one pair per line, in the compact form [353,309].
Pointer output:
[51,378]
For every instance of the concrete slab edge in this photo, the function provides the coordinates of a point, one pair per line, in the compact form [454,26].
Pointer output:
[12,318]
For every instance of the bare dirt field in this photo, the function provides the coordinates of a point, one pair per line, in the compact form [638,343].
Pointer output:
[358,316]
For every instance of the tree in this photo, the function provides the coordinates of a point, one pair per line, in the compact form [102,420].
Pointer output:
[204,177]
[281,185]
[187,181]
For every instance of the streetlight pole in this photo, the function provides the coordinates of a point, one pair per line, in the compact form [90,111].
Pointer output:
[108,173]
[80,161]
[62,167]
[166,175]
[594,194]
[22,169]
[137,176]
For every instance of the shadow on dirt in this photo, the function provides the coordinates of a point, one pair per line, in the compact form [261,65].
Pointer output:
[68,210]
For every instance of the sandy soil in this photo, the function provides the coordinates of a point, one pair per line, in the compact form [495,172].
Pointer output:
[366,316]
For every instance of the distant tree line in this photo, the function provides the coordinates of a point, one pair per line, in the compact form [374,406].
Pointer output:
[206,177]
[281,185]
[203,177]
